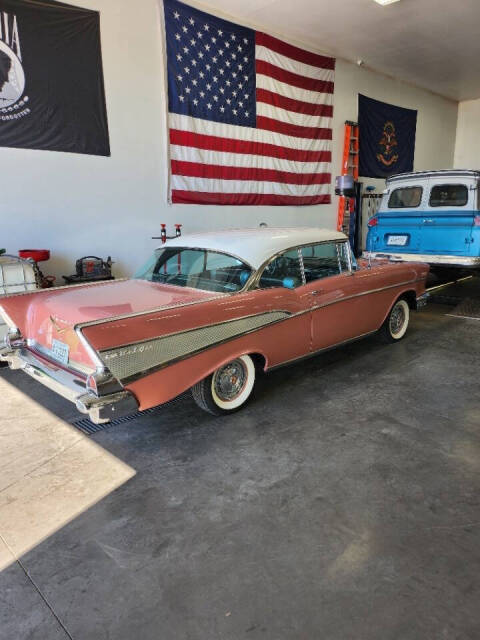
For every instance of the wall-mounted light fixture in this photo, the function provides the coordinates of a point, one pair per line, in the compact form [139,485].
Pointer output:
[384,2]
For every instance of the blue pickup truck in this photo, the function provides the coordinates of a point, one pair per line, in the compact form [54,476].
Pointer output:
[429,216]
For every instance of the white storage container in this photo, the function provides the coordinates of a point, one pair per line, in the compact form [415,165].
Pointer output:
[16,276]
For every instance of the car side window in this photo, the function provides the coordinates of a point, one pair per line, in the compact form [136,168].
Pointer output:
[282,271]
[325,260]
[448,195]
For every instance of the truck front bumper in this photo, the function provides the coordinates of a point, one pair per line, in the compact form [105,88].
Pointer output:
[466,262]
[66,383]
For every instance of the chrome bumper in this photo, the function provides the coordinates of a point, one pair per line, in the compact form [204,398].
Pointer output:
[100,409]
[450,261]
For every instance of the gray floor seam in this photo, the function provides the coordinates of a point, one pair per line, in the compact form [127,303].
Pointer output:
[37,588]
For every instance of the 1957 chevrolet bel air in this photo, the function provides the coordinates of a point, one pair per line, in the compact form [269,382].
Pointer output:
[206,312]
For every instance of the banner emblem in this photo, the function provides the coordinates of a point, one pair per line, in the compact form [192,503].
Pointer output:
[387,138]
[12,75]
[388,144]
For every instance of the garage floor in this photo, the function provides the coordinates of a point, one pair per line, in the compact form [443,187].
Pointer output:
[342,504]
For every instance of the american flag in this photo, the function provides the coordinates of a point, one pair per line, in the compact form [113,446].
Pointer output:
[250,116]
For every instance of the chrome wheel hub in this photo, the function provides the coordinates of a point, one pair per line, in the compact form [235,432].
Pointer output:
[230,380]
[397,320]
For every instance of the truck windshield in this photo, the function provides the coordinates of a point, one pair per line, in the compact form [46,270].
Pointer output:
[196,268]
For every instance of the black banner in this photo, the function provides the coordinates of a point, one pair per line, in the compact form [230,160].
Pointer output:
[51,78]
[387,138]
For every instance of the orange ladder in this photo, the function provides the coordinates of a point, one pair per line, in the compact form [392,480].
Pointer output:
[346,206]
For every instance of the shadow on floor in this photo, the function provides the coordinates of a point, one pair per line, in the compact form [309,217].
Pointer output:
[342,502]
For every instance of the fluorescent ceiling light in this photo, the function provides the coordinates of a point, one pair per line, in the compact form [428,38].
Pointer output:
[384,2]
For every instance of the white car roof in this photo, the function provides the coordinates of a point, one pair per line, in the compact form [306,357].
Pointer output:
[257,245]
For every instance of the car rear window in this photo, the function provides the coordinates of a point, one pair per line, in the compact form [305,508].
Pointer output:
[449,195]
[405,198]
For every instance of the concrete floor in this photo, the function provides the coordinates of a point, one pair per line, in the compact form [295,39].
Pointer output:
[342,504]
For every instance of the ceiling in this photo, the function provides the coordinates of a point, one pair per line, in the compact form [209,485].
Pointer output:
[433,44]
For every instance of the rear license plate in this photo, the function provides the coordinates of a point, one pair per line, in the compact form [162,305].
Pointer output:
[399,241]
[60,351]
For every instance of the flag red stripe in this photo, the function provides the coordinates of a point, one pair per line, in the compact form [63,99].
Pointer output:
[295,130]
[215,143]
[219,172]
[294,79]
[298,106]
[204,197]
[288,50]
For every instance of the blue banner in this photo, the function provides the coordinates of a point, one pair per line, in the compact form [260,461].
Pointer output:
[387,138]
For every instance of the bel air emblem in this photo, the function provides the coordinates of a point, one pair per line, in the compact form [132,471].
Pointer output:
[57,328]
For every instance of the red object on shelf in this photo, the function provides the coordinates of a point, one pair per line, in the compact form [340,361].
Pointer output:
[39,255]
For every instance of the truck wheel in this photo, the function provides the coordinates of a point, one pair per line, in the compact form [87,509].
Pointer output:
[396,324]
[228,388]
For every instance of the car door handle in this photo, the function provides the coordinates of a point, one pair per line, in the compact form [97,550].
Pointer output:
[316,292]
[428,221]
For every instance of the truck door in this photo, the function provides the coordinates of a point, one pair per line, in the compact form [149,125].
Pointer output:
[448,218]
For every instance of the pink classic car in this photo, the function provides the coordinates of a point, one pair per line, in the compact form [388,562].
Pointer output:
[206,313]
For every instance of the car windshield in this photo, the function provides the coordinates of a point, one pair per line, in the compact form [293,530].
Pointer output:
[196,268]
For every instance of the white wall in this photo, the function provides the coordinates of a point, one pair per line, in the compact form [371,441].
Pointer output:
[467,146]
[77,205]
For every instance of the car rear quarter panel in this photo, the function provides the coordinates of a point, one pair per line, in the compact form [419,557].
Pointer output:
[276,342]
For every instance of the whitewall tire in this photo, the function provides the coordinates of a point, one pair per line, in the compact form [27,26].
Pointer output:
[396,324]
[228,388]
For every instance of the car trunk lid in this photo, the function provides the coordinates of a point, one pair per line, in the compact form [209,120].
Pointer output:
[47,319]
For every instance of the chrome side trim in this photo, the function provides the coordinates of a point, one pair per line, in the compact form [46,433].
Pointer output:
[460,261]
[98,362]
[192,329]
[311,354]
[132,362]
[367,293]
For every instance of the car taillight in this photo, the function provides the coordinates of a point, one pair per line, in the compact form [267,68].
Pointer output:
[102,383]
[476,221]
[373,222]
[92,383]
